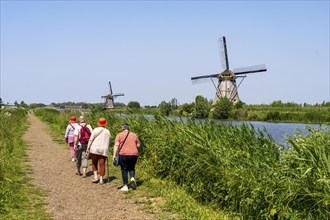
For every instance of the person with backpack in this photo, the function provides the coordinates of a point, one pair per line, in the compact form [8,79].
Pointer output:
[69,136]
[82,135]
[98,148]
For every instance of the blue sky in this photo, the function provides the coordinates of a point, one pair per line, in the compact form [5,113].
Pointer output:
[58,51]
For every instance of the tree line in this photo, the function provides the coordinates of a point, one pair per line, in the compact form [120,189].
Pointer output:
[203,108]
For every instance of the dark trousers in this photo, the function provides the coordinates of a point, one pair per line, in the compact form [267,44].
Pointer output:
[81,148]
[127,164]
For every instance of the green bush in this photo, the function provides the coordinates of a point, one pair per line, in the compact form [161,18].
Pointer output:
[165,108]
[222,109]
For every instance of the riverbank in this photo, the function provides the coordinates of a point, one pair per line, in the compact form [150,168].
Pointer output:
[258,113]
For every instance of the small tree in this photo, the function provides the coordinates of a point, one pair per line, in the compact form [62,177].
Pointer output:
[134,105]
[174,103]
[277,103]
[165,108]
[222,108]
[119,105]
[23,104]
[186,109]
[1,103]
[202,107]
[239,104]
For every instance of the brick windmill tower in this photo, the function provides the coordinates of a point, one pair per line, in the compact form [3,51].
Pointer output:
[109,99]
[226,85]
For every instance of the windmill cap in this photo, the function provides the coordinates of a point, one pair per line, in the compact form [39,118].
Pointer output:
[73,119]
[125,126]
[102,122]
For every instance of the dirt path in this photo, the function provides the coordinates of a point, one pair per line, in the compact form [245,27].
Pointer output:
[70,196]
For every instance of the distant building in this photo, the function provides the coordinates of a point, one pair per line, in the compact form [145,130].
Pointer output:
[8,106]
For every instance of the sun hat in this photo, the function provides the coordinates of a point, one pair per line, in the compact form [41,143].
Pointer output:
[73,119]
[125,126]
[102,122]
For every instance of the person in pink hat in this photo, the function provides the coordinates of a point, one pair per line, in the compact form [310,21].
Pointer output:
[98,149]
[69,136]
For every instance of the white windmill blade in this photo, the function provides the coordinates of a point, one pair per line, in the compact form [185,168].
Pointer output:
[223,53]
[250,69]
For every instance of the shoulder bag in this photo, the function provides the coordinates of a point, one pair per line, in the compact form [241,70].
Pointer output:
[116,161]
[89,155]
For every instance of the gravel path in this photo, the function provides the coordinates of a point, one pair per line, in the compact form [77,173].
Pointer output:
[70,196]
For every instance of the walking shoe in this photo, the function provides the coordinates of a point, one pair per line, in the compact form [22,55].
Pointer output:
[133,183]
[101,182]
[78,173]
[84,175]
[124,188]
[73,159]
[95,180]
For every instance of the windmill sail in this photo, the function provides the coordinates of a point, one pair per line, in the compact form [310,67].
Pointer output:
[118,94]
[227,79]
[109,99]
[110,87]
[250,69]
[204,77]
[223,53]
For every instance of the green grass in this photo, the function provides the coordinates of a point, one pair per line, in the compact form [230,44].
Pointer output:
[170,201]
[18,198]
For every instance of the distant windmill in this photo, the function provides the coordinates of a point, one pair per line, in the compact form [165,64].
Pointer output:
[227,79]
[109,99]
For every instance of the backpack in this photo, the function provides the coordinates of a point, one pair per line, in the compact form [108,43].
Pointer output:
[85,134]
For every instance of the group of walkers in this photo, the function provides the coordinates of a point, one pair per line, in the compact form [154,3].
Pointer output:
[87,143]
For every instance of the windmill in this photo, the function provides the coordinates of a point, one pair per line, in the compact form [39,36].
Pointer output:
[109,99]
[227,86]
